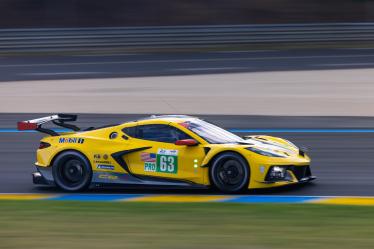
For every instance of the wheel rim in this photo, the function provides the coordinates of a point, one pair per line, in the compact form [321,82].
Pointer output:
[231,173]
[72,172]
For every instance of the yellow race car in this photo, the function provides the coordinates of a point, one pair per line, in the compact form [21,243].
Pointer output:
[170,150]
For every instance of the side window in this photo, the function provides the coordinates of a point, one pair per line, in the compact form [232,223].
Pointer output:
[131,131]
[180,134]
[157,132]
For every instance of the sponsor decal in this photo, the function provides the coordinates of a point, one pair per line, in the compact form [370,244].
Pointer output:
[185,124]
[148,157]
[165,161]
[102,162]
[108,177]
[167,152]
[101,159]
[73,140]
[150,167]
[105,166]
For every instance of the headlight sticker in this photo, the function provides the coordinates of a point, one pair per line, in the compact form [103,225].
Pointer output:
[265,152]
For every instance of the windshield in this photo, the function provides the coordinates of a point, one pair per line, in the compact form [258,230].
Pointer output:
[211,133]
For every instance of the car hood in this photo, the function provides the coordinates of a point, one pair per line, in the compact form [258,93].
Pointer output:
[272,144]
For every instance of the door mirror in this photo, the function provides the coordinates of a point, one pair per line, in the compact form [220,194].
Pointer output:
[187,142]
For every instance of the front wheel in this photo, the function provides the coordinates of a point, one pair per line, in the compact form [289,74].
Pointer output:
[72,171]
[229,172]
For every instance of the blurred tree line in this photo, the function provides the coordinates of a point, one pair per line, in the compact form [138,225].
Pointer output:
[85,13]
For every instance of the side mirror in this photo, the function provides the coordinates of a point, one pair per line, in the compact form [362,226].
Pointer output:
[187,142]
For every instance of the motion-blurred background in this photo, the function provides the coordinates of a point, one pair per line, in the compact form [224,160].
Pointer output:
[96,13]
[76,25]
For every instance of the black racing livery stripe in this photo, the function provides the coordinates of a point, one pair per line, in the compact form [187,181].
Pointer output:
[117,156]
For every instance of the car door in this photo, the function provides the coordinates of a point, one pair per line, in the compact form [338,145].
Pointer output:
[160,157]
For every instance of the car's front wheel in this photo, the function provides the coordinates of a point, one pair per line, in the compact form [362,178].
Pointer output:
[229,172]
[72,171]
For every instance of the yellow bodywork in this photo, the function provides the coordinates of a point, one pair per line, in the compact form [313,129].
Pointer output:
[193,161]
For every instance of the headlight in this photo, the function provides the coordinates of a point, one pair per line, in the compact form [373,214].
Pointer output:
[278,173]
[264,152]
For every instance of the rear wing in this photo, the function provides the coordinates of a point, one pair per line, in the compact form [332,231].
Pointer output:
[58,119]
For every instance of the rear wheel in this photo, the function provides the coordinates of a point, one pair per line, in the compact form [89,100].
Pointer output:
[229,173]
[72,171]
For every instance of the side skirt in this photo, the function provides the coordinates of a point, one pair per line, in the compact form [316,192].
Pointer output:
[111,178]
[43,176]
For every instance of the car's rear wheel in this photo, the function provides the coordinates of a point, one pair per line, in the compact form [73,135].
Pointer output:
[230,173]
[72,171]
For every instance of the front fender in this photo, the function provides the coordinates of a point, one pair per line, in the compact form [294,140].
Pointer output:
[214,151]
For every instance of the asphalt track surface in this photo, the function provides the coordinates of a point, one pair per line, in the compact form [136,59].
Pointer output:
[78,66]
[341,149]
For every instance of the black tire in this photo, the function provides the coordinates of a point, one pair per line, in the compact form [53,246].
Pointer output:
[72,171]
[230,173]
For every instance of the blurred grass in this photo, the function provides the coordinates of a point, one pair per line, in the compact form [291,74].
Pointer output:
[46,224]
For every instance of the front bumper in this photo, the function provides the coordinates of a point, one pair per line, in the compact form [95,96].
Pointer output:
[38,178]
[291,173]
[307,179]
[297,174]
[43,176]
